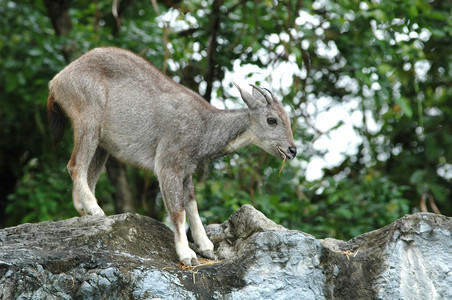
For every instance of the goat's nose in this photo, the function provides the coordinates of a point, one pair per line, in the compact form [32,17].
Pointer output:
[293,151]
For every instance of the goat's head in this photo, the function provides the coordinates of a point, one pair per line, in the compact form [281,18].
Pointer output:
[270,124]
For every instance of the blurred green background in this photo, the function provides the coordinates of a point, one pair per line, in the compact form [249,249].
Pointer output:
[388,62]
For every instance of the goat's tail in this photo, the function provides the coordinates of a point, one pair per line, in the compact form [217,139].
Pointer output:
[56,118]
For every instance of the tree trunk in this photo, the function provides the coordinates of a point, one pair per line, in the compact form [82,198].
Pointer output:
[58,12]
[213,28]
[117,174]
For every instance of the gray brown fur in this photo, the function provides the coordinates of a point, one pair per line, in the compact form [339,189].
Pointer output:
[119,104]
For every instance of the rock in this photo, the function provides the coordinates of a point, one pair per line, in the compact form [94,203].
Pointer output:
[408,259]
[130,256]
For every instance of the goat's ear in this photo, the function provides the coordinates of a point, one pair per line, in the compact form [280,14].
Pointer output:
[250,101]
[261,95]
[258,96]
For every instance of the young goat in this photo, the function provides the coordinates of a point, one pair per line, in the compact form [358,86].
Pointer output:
[120,104]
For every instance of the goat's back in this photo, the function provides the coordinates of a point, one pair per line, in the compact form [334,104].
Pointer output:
[112,69]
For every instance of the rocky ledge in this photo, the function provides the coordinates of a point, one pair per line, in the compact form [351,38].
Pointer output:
[129,256]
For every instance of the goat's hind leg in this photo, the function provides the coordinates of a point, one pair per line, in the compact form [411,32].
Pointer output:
[95,167]
[86,141]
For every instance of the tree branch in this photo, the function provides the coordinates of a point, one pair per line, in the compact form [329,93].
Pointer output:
[117,10]
[212,47]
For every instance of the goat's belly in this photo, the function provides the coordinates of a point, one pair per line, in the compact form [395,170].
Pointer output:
[129,150]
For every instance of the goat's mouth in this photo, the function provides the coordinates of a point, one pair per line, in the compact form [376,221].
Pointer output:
[283,154]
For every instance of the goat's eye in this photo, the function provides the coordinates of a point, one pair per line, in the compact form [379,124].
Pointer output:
[272,121]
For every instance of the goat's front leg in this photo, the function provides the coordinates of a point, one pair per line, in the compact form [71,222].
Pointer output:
[202,242]
[171,186]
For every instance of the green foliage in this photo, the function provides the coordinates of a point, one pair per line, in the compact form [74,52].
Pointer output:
[390,61]
[42,194]
[348,207]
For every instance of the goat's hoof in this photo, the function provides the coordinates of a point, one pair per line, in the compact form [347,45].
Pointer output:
[190,261]
[208,254]
[94,211]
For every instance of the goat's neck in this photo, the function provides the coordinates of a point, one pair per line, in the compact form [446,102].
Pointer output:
[230,131]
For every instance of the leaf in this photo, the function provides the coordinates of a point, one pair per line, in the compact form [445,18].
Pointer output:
[417,177]
[404,104]
[385,68]
[439,192]
[438,33]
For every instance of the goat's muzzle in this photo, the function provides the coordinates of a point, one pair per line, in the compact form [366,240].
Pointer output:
[292,152]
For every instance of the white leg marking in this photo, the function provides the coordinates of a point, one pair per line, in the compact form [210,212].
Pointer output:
[83,196]
[186,255]
[202,242]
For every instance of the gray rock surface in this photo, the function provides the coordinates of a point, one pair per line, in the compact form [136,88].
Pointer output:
[130,256]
